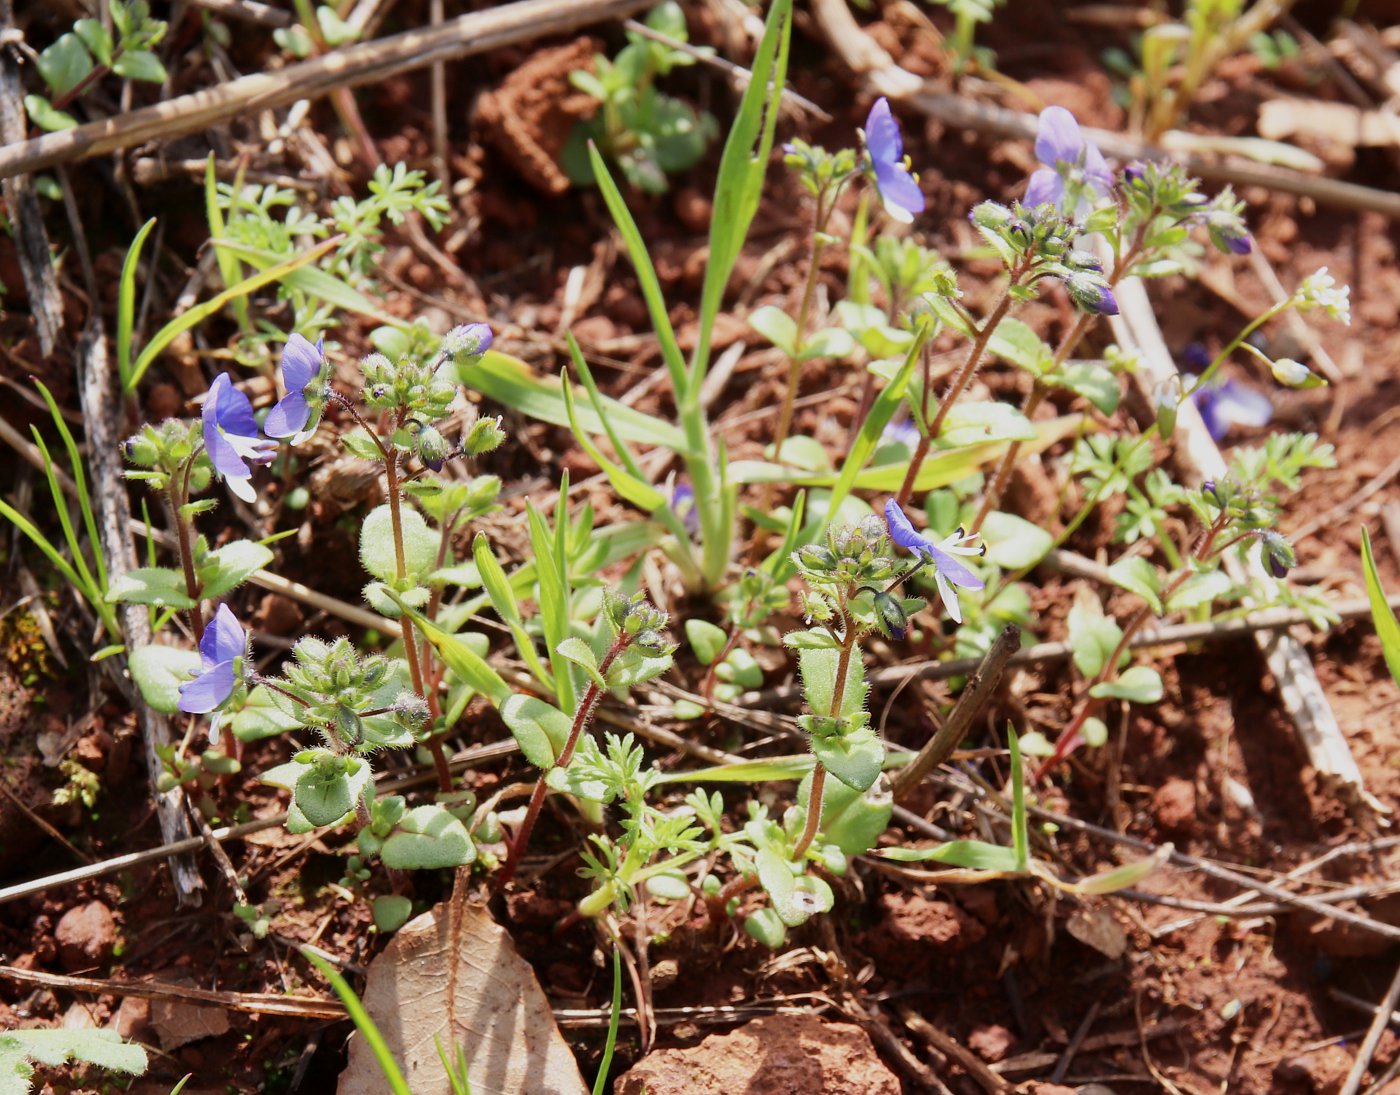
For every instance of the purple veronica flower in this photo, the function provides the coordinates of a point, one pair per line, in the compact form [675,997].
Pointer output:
[683,506]
[1231,404]
[224,642]
[301,366]
[904,432]
[231,436]
[1093,295]
[468,340]
[947,571]
[1061,146]
[899,190]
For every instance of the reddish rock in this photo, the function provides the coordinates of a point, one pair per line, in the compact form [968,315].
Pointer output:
[1323,1072]
[991,1042]
[86,936]
[1174,806]
[775,1055]
[693,210]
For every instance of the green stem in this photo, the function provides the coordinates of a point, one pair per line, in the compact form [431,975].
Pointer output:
[581,717]
[838,696]
[960,381]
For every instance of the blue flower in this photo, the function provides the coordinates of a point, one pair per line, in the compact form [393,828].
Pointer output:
[683,506]
[231,436]
[468,340]
[1068,156]
[899,190]
[903,432]
[947,571]
[1231,404]
[301,367]
[224,643]
[1092,294]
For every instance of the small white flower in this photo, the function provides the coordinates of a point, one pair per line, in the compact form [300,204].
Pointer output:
[1320,290]
[1293,374]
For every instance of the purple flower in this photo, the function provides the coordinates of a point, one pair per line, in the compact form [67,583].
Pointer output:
[223,643]
[1092,295]
[1231,404]
[947,571]
[904,432]
[301,366]
[683,506]
[231,436]
[1276,553]
[899,190]
[468,340]
[1062,148]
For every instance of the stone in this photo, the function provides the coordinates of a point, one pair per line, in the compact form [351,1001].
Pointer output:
[1174,806]
[774,1055]
[86,937]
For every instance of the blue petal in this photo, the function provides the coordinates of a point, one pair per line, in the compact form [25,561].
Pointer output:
[288,417]
[301,363]
[1096,169]
[1058,138]
[953,570]
[207,690]
[882,137]
[232,410]
[1045,188]
[901,531]
[224,639]
[899,187]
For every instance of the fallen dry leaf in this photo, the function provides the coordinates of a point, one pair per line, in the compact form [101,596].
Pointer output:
[178,1023]
[456,977]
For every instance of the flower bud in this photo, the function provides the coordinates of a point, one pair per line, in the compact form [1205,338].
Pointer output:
[433,448]
[486,434]
[141,450]
[468,340]
[890,616]
[1294,374]
[1277,553]
[816,557]
[1092,295]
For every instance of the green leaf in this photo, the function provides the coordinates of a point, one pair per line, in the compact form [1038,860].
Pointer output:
[706,639]
[774,324]
[1093,637]
[742,167]
[817,638]
[261,717]
[581,654]
[140,64]
[391,911]
[1137,683]
[971,423]
[469,667]
[807,453]
[856,758]
[1016,343]
[632,488]
[796,898]
[46,116]
[377,551]
[200,312]
[747,771]
[311,280]
[632,668]
[1014,543]
[1137,575]
[819,681]
[325,794]
[766,927]
[96,38]
[852,820]
[230,566]
[541,729]
[1091,380]
[1387,627]
[835,342]
[428,838]
[126,300]
[1200,589]
[976,855]
[162,586]
[65,64]
[551,570]
[502,594]
[646,273]
[57,1046]
[513,383]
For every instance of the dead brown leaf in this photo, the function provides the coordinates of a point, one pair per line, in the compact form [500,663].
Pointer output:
[454,976]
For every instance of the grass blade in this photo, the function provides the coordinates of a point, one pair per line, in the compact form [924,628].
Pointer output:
[601,1082]
[363,1023]
[126,302]
[1387,627]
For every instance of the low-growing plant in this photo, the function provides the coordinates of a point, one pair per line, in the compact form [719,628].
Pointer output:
[79,58]
[648,135]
